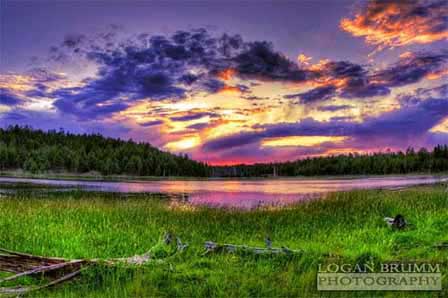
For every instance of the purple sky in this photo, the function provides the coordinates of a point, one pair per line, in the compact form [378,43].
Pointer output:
[230,81]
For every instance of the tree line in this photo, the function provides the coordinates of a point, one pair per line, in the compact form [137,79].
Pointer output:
[410,161]
[37,151]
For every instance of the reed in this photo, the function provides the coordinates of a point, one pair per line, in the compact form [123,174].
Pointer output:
[346,225]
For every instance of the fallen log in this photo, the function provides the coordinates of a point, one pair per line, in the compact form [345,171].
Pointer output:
[22,290]
[58,270]
[16,262]
[45,269]
[213,247]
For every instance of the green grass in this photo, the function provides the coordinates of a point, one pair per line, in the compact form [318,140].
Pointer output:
[348,225]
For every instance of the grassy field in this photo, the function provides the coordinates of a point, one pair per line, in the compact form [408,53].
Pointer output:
[345,227]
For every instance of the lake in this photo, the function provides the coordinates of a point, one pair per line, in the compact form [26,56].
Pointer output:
[245,194]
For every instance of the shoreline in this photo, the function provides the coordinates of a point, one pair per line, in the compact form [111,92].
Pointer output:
[138,179]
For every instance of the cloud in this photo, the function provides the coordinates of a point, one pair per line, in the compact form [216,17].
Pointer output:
[353,81]
[317,94]
[359,89]
[341,118]
[412,68]
[181,65]
[7,98]
[193,116]
[89,102]
[402,127]
[340,78]
[261,61]
[232,141]
[147,75]
[19,89]
[198,126]
[151,123]
[388,24]
[42,75]
[162,67]
[334,108]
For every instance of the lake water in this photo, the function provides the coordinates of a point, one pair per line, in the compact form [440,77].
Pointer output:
[242,193]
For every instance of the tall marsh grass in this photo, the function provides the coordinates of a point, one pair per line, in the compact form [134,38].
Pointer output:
[348,226]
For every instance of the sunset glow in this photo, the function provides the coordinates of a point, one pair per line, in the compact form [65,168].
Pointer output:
[358,77]
[300,141]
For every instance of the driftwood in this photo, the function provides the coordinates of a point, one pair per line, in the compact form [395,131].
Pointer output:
[213,247]
[398,222]
[58,270]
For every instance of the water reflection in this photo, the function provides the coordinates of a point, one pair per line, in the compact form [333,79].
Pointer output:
[242,193]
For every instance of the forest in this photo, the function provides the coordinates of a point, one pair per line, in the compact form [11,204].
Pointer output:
[410,161]
[37,151]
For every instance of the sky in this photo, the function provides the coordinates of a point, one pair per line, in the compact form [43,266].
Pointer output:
[230,82]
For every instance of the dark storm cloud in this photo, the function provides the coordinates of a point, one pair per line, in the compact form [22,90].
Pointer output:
[117,87]
[411,69]
[196,48]
[39,90]
[167,67]
[352,81]
[154,67]
[88,112]
[151,123]
[160,67]
[342,69]
[7,98]
[359,89]
[235,140]
[261,61]
[340,78]
[316,94]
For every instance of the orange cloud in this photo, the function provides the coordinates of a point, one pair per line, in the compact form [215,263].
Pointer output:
[16,82]
[184,143]
[227,74]
[437,75]
[442,127]
[305,141]
[325,78]
[229,90]
[304,59]
[389,24]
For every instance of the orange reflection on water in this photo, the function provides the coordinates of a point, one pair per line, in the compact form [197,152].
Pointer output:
[246,194]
